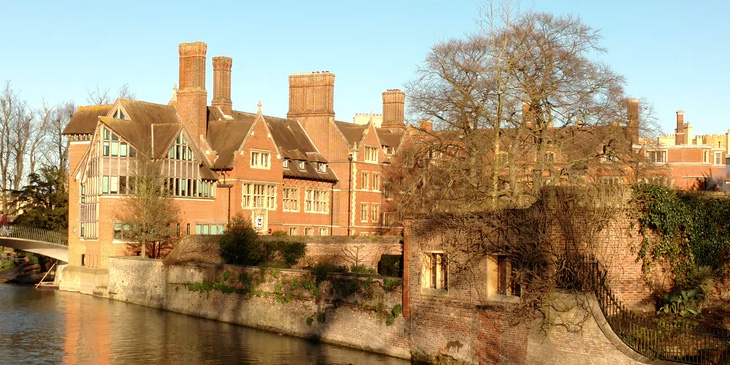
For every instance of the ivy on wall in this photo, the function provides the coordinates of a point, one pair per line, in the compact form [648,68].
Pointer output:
[691,232]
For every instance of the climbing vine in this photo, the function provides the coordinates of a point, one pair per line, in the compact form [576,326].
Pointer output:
[688,230]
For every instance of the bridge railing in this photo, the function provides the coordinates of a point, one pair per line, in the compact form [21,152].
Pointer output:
[36,234]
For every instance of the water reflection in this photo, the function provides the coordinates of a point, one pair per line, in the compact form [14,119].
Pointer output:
[60,327]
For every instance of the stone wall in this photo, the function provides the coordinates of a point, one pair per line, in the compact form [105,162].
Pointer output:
[85,280]
[350,310]
[343,250]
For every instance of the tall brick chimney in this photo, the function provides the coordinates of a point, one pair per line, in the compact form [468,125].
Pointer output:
[680,134]
[527,117]
[311,94]
[632,119]
[192,98]
[393,101]
[222,84]
[311,102]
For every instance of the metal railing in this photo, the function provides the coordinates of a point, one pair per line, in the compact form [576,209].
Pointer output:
[35,234]
[663,337]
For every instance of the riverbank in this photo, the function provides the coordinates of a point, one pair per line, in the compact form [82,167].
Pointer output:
[56,327]
[357,311]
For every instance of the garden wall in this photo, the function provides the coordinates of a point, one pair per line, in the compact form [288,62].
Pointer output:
[345,251]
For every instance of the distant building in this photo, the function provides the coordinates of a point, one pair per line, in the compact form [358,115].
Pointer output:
[365,118]
[685,161]
[306,174]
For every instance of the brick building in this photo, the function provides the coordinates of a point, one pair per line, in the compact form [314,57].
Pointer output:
[686,161]
[306,174]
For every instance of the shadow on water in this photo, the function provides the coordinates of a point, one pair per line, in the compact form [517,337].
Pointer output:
[60,327]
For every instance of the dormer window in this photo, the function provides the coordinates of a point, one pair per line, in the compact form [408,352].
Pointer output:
[301,165]
[322,167]
[119,114]
[286,163]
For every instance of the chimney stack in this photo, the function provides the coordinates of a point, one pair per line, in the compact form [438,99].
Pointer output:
[527,117]
[222,84]
[680,133]
[311,94]
[191,97]
[632,122]
[393,101]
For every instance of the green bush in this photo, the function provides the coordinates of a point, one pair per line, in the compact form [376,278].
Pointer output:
[361,269]
[390,284]
[240,244]
[289,253]
[322,269]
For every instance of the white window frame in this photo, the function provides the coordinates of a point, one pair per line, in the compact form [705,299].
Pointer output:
[290,199]
[364,212]
[316,201]
[371,154]
[258,195]
[260,159]
[656,156]
[375,184]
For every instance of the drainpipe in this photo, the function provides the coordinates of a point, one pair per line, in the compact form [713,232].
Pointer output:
[349,194]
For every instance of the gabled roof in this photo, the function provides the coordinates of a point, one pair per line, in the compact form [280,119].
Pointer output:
[390,137]
[150,128]
[352,132]
[225,135]
[85,119]
[294,143]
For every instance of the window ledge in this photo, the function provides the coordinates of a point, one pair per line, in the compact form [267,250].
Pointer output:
[503,299]
[435,292]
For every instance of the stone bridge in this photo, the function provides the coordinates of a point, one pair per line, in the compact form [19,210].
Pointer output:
[36,240]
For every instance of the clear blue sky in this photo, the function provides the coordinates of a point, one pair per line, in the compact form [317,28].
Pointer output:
[673,53]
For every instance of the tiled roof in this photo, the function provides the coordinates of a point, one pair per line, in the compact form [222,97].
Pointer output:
[151,129]
[353,132]
[294,143]
[390,137]
[226,135]
[85,119]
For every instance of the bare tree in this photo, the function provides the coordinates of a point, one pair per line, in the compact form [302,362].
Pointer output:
[13,117]
[56,151]
[101,96]
[125,93]
[148,216]
[517,106]
[98,96]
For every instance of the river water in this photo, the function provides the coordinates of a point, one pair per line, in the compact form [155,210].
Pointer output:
[53,327]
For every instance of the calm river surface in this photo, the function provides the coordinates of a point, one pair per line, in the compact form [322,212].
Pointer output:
[52,327]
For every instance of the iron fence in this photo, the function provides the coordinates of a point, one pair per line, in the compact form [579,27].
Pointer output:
[663,337]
